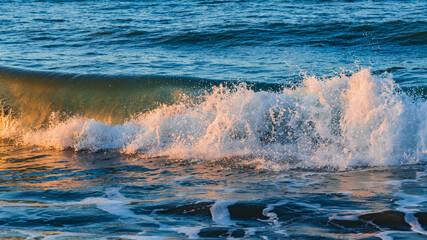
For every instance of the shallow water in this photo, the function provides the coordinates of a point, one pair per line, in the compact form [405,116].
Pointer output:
[78,195]
[213,119]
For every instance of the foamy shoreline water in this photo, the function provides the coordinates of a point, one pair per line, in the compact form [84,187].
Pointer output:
[64,194]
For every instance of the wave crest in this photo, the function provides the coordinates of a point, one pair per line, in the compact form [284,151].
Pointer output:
[340,122]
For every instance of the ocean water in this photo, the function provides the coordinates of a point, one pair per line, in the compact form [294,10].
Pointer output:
[213,119]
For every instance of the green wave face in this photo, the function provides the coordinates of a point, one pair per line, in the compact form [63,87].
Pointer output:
[36,95]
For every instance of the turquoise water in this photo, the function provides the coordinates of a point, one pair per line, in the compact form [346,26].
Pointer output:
[213,119]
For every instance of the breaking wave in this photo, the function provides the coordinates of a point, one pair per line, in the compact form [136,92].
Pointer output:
[340,122]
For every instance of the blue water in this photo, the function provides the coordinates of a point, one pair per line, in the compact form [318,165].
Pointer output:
[259,41]
[213,119]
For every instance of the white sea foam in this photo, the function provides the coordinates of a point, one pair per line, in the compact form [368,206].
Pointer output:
[344,217]
[191,232]
[390,235]
[339,122]
[409,203]
[115,203]
[272,217]
[220,213]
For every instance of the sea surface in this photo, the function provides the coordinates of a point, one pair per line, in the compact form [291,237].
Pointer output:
[213,119]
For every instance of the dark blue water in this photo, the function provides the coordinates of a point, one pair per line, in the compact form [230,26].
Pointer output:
[255,40]
[213,119]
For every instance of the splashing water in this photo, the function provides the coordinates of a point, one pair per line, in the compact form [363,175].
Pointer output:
[339,122]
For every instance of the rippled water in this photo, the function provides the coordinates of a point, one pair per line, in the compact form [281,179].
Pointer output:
[69,195]
[256,40]
[213,119]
